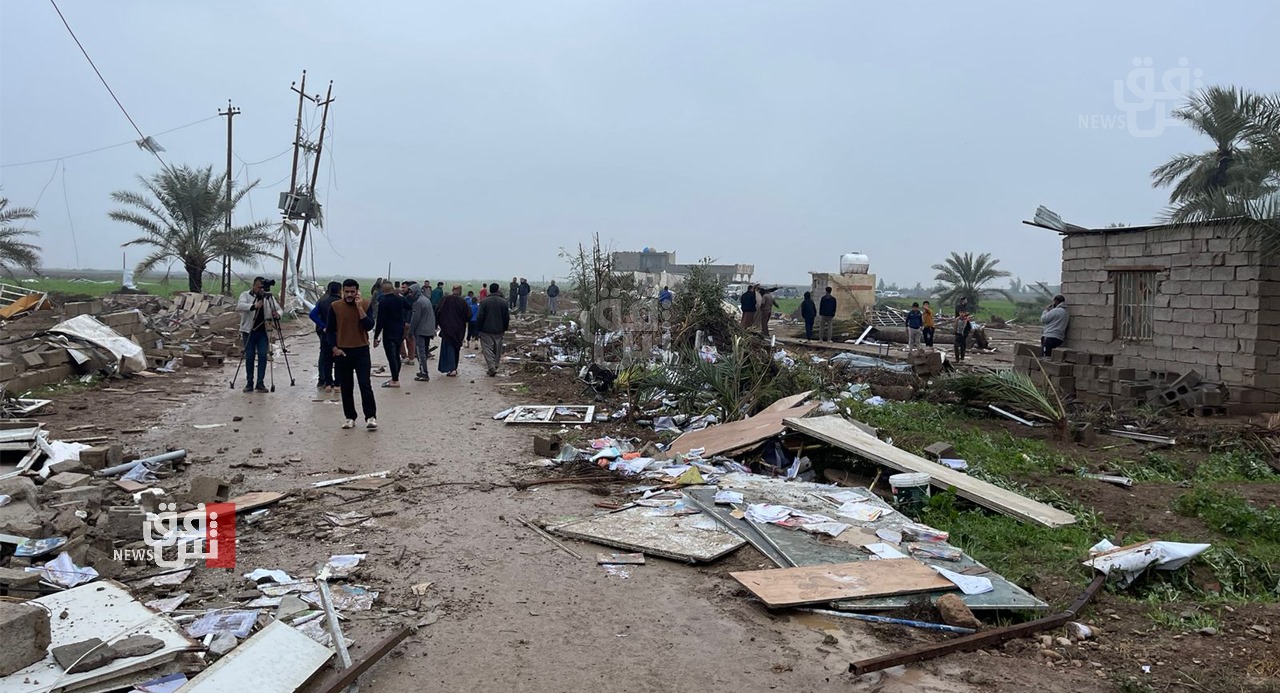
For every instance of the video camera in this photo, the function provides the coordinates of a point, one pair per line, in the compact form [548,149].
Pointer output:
[267,284]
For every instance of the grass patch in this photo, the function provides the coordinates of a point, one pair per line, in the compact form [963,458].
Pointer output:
[1244,561]
[1230,515]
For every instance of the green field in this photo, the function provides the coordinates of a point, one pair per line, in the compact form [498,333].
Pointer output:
[992,306]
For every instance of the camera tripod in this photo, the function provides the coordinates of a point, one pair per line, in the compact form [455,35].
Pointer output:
[269,308]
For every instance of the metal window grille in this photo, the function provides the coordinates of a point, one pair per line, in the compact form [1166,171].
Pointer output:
[1135,304]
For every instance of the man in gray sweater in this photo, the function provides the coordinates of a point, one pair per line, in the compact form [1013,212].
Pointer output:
[422,327]
[1055,319]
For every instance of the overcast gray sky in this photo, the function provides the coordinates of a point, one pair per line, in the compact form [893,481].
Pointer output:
[474,139]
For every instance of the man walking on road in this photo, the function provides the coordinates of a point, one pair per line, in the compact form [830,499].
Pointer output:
[318,315]
[389,328]
[252,307]
[452,317]
[348,328]
[494,320]
[553,298]
[422,327]
[826,315]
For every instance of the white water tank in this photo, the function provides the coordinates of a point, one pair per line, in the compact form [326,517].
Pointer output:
[854,263]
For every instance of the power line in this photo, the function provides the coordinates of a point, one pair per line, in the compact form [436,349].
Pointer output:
[141,137]
[103,149]
[70,222]
[270,158]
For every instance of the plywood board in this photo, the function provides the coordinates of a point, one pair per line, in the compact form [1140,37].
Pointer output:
[689,538]
[844,434]
[787,402]
[278,659]
[103,610]
[738,435]
[814,584]
[248,502]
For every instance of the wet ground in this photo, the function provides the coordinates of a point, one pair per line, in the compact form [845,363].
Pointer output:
[505,610]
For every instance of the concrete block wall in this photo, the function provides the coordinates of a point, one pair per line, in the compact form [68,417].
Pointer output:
[1213,306]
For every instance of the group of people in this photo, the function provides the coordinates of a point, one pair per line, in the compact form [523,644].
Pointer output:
[921,327]
[757,307]
[825,312]
[404,318]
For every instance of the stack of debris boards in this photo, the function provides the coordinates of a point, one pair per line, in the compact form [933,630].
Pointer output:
[1093,378]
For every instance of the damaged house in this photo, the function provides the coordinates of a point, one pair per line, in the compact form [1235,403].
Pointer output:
[1154,304]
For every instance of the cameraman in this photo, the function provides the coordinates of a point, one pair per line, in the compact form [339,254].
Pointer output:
[252,306]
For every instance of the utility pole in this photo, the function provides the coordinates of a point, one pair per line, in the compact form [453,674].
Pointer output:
[230,114]
[315,174]
[293,181]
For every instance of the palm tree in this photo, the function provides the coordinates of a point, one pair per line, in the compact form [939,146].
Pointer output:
[966,276]
[1216,182]
[182,215]
[14,250]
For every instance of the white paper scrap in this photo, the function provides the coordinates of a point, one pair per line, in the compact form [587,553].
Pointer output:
[968,584]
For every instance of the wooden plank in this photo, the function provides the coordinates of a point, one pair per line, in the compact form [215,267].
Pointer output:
[278,659]
[828,582]
[787,402]
[247,502]
[844,434]
[737,435]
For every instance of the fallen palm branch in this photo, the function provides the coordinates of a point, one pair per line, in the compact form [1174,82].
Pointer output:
[1007,388]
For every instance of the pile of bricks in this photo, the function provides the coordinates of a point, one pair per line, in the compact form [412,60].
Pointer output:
[192,331]
[1093,378]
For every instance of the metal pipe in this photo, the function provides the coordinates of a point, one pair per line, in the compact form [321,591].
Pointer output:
[898,621]
[977,640]
[127,466]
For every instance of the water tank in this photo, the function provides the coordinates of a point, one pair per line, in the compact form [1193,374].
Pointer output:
[854,263]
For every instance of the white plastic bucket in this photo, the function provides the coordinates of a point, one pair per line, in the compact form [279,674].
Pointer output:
[910,491]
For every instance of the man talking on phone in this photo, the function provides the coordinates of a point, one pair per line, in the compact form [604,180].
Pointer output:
[348,330]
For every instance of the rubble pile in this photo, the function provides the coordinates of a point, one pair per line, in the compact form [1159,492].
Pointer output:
[44,348]
[1093,378]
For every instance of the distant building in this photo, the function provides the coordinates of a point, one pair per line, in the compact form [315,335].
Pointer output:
[659,268]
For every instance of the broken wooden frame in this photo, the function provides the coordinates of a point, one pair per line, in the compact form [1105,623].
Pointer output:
[552,414]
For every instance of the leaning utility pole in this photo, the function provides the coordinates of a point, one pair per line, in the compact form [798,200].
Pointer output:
[315,174]
[293,183]
[230,113]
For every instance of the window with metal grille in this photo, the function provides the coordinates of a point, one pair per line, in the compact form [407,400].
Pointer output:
[1135,304]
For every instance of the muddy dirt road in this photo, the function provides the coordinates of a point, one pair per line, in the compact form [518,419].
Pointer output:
[506,610]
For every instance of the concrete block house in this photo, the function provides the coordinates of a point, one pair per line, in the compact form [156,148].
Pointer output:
[1153,307]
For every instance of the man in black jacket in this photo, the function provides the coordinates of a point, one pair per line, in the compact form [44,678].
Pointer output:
[319,314]
[493,321]
[826,315]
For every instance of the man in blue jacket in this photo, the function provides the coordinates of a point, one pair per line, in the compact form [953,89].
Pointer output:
[915,323]
[319,314]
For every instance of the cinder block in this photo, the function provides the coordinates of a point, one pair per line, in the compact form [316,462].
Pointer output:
[546,446]
[33,360]
[1055,369]
[8,371]
[67,480]
[941,450]
[208,489]
[24,630]
[1033,350]
[193,361]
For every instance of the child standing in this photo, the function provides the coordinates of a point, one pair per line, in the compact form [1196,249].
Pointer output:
[915,323]
[963,326]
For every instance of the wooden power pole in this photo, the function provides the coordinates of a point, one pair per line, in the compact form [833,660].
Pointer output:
[230,114]
[293,182]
